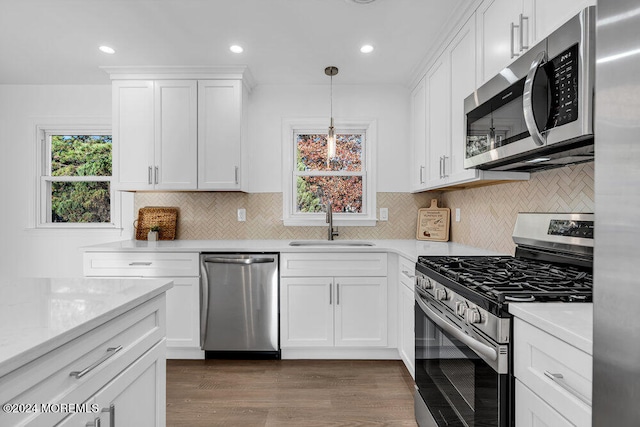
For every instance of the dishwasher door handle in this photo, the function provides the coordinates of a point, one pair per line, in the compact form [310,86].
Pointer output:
[244,261]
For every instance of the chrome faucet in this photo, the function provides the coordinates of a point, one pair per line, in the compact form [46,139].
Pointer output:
[331,232]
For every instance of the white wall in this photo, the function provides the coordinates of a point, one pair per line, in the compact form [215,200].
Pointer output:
[270,104]
[25,251]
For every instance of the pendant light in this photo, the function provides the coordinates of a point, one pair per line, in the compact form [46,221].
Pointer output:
[331,136]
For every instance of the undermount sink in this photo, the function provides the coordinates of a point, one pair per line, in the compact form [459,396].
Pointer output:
[330,243]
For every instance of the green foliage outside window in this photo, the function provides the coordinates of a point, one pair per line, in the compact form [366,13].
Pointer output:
[80,201]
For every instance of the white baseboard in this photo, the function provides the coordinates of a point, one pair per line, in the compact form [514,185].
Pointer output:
[184,353]
[341,353]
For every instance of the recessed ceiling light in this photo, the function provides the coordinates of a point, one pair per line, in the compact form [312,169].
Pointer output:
[107,49]
[367,48]
[236,49]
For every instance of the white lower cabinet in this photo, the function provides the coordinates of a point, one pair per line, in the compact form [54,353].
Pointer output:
[333,311]
[183,300]
[406,315]
[532,411]
[554,379]
[334,304]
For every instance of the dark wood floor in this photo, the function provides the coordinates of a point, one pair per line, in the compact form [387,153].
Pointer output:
[289,393]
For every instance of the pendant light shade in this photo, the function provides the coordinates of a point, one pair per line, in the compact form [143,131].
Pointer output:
[331,134]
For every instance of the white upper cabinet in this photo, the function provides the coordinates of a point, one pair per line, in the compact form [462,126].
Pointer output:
[175,135]
[438,126]
[179,131]
[418,135]
[219,134]
[507,28]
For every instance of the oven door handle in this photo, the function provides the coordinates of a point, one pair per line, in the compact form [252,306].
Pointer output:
[470,342]
[527,100]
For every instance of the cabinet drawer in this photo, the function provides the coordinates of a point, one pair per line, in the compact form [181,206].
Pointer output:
[324,264]
[406,272]
[539,356]
[92,360]
[141,264]
[531,411]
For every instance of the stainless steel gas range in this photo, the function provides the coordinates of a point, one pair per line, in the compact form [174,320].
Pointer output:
[464,373]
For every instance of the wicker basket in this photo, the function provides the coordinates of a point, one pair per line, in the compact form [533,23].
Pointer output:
[164,217]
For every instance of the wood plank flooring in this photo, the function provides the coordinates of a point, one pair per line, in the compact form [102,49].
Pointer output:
[289,393]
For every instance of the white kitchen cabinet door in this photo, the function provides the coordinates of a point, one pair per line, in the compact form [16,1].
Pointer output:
[406,344]
[462,56]
[136,397]
[306,311]
[219,134]
[497,40]
[133,134]
[176,138]
[183,313]
[438,124]
[547,15]
[418,135]
[532,411]
[360,311]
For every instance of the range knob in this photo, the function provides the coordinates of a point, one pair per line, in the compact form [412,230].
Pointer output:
[461,308]
[442,294]
[428,284]
[474,315]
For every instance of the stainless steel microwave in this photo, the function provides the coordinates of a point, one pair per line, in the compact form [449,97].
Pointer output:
[538,112]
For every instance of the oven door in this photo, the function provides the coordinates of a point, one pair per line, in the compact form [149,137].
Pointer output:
[456,384]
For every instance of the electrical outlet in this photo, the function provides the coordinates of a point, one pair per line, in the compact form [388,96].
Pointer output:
[384,214]
[457,214]
[242,214]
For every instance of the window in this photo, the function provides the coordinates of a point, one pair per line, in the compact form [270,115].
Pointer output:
[75,180]
[316,177]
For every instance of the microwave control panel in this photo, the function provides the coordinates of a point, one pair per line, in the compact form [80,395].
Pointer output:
[563,78]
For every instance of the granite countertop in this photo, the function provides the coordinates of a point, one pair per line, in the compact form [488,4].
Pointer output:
[570,322]
[410,249]
[39,315]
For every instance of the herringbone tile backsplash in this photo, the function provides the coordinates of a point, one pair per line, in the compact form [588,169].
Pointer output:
[207,215]
[488,214]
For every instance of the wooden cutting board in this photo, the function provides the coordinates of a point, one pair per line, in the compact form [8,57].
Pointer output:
[433,223]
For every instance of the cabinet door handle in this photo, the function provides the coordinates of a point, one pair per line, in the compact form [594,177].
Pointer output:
[150,182]
[330,295]
[236,174]
[444,166]
[95,423]
[559,379]
[523,46]
[513,40]
[421,174]
[139,263]
[441,167]
[156,175]
[337,293]
[111,351]
[112,414]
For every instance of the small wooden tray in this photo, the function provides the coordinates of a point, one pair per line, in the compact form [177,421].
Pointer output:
[433,223]
[164,217]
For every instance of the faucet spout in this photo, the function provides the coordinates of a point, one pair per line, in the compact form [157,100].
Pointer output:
[331,233]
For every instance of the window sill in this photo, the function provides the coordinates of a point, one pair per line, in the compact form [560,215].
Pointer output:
[306,222]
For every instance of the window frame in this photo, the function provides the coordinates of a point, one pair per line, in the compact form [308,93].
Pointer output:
[293,127]
[45,179]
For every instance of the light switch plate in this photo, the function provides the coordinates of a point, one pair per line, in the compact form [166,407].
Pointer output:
[384,214]
[242,214]
[457,214]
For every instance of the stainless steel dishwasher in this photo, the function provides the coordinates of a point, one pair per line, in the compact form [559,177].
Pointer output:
[239,316]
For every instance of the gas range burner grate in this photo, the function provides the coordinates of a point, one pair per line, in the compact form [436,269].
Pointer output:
[505,279]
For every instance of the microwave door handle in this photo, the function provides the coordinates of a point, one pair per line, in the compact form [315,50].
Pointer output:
[527,101]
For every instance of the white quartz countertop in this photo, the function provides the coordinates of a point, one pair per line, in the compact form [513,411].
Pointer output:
[570,322]
[39,315]
[410,249]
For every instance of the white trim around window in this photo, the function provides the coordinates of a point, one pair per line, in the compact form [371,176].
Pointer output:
[42,206]
[293,127]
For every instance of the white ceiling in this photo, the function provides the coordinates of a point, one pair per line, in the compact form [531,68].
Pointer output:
[285,41]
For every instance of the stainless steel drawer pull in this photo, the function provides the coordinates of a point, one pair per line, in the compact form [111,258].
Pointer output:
[111,351]
[408,274]
[559,379]
[337,293]
[330,295]
[150,181]
[112,414]
[139,263]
